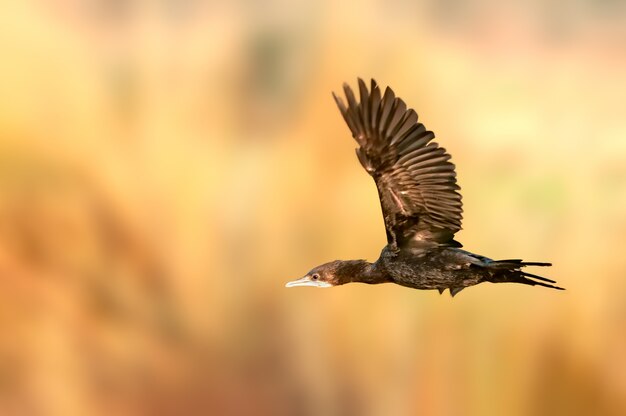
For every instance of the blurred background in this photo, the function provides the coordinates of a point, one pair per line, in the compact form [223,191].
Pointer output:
[166,166]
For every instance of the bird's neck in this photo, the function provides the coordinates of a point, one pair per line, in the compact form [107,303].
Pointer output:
[360,271]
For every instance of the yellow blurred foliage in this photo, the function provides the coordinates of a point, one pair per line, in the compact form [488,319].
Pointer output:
[165,167]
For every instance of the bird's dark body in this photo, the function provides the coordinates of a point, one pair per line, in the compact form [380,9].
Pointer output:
[420,202]
[438,268]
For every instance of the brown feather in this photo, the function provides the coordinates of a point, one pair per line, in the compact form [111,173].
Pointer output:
[416,181]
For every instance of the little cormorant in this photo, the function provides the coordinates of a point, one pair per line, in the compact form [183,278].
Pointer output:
[420,202]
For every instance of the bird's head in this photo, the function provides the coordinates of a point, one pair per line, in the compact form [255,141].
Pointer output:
[334,273]
[320,276]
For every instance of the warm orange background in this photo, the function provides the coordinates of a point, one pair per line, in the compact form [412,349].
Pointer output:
[165,168]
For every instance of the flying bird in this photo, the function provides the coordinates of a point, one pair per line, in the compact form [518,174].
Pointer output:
[421,206]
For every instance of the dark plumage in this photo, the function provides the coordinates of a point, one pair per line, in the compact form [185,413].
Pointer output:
[420,202]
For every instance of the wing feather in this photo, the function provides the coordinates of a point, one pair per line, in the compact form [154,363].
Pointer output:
[415,179]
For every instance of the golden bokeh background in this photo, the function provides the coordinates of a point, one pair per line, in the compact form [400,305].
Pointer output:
[166,166]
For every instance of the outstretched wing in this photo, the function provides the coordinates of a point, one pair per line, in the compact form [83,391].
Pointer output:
[416,181]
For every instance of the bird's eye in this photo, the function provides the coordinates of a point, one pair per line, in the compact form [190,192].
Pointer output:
[315,276]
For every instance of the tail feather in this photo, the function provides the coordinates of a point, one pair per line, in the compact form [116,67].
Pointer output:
[528,279]
[516,263]
[534,263]
[509,271]
[534,276]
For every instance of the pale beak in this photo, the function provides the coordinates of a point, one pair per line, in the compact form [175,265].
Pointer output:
[306,281]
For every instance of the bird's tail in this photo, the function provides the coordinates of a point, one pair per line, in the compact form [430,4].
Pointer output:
[503,271]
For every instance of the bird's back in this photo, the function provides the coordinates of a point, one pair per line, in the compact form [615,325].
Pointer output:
[430,268]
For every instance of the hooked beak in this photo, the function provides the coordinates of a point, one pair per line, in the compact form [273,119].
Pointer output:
[306,281]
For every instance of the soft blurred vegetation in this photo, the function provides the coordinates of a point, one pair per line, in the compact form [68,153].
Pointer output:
[166,166]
